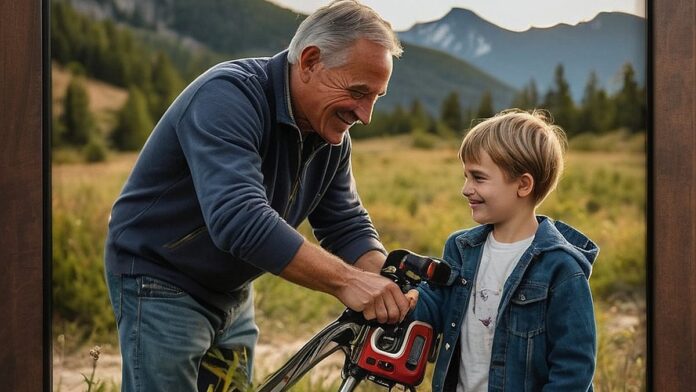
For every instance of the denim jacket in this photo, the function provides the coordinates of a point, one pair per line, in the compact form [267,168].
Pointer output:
[545,339]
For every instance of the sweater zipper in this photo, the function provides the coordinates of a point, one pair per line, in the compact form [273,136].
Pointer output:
[301,170]
[300,176]
[188,237]
[295,185]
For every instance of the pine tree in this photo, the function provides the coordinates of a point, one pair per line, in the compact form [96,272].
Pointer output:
[485,108]
[419,118]
[597,111]
[134,123]
[630,102]
[451,112]
[527,98]
[166,85]
[560,103]
[399,121]
[77,120]
[467,117]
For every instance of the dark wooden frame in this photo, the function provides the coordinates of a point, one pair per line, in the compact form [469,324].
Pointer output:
[25,262]
[672,196]
[25,336]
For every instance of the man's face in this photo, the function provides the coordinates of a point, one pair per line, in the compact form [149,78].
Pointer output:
[493,198]
[341,96]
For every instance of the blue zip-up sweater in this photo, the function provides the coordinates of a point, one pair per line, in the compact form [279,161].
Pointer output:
[222,182]
[545,337]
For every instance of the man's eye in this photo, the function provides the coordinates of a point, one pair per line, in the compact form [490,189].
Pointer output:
[356,94]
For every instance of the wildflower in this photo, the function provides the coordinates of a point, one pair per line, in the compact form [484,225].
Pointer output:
[94,353]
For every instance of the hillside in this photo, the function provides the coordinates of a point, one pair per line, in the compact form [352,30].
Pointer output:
[239,28]
[104,99]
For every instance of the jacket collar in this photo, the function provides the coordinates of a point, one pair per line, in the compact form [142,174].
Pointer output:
[280,76]
[549,235]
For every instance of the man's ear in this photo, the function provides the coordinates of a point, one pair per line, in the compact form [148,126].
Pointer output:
[309,59]
[525,185]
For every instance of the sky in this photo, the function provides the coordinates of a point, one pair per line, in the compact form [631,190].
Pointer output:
[516,15]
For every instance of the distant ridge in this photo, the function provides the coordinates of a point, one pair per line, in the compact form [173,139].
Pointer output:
[244,28]
[603,44]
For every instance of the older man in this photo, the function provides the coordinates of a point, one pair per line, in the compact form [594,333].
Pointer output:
[248,151]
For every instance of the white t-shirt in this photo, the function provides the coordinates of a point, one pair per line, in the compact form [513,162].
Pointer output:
[497,263]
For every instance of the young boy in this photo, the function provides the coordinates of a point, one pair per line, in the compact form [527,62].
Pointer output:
[519,316]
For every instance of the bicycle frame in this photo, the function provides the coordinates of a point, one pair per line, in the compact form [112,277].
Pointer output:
[350,333]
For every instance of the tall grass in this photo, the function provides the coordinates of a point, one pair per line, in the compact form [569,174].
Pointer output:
[413,196]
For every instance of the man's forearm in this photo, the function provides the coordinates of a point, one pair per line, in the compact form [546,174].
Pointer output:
[317,269]
[371,261]
[363,291]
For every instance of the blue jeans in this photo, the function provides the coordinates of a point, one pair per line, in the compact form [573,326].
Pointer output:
[164,333]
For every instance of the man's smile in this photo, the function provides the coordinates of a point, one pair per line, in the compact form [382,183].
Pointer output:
[349,123]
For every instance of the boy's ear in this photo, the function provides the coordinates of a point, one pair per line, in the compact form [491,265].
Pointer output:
[525,185]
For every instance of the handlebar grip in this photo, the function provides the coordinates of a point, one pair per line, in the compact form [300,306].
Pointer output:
[430,269]
[418,264]
[413,268]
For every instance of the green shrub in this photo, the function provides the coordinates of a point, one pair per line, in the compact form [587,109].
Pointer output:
[134,123]
[423,140]
[95,151]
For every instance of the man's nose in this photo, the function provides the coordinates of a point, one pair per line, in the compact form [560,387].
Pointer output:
[364,110]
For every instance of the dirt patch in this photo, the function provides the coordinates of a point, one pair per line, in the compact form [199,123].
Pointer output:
[68,372]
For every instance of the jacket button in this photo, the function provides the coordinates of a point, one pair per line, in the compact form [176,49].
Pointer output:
[522,297]
[454,325]
[447,346]
[464,282]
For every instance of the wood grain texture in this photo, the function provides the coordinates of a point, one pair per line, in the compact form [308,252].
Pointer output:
[673,207]
[673,364]
[21,197]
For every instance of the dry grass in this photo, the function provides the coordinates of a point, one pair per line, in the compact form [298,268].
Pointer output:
[414,199]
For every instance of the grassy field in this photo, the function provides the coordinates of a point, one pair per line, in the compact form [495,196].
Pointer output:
[414,199]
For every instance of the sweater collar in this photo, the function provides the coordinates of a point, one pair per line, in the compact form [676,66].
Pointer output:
[280,74]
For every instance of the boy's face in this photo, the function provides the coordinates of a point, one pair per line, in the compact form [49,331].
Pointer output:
[493,198]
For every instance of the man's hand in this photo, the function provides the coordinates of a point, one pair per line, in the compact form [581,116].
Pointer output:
[374,295]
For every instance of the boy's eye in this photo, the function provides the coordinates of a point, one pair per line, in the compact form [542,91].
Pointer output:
[470,177]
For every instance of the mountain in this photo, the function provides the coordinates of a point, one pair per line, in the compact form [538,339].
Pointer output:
[603,44]
[241,28]
[430,75]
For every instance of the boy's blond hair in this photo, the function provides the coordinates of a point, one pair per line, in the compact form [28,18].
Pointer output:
[520,142]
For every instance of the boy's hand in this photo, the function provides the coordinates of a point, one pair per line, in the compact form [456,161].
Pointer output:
[412,296]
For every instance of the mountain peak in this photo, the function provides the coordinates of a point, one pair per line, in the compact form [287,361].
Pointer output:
[602,44]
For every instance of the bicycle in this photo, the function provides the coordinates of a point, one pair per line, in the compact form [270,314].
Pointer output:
[387,355]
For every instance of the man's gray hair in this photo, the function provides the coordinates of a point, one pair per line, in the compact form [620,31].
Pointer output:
[334,27]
